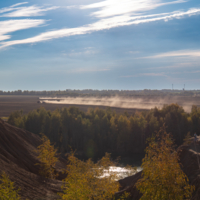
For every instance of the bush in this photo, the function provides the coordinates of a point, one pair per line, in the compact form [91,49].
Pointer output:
[7,189]
[86,180]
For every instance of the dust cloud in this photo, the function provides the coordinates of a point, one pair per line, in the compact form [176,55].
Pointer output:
[122,102]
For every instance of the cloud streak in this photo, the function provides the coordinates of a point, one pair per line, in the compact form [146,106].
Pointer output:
[145,74]
[26,11]
[10,26]
[111,8]
[18,4]
[86,52]
[180,53]
[112,14]
[86,70]
[103,24]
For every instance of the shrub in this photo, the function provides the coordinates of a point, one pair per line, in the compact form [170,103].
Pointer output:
[7,189]
[86,180]
[47,156]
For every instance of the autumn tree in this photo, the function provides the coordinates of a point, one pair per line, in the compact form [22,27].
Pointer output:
[87,180]
[162,177]
[47,156]
[7,189]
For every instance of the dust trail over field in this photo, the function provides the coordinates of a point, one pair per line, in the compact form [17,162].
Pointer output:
[121,102]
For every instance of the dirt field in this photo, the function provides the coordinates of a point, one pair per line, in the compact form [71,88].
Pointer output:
[10,103]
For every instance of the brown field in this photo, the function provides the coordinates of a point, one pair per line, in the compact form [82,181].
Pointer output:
[10,103]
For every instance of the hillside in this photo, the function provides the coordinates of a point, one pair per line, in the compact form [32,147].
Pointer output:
[18,159]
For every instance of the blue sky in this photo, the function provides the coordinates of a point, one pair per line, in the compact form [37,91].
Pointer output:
[89,44]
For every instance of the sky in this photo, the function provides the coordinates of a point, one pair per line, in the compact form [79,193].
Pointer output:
[99,44]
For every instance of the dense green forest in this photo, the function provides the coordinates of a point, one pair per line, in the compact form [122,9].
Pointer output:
[98,131]
[104,93]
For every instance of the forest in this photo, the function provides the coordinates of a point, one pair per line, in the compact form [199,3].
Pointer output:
[104,93]
[97,131]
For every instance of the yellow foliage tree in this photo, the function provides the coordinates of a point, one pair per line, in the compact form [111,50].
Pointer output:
[87,180]
[7,189]
[47,156]
[162,177]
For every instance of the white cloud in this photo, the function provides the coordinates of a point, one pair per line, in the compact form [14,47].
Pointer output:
[125,16]
[15,25]
[26,11]
[11,8]
[18,4]
[111,8]
[102,25]
[3,10]
[133,52]
[72,7]
[178,65]
[86,52]
[180,53]
[145,74]
[193,72]
[85,70]
[9,26]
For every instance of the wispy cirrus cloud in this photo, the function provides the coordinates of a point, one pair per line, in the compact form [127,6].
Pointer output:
[112,14]
[145,74]
[26,11]
[10,26]
[16,10]
[180,53]
[11,8]
[178,65]
[86,52]
[18,4]
[109,8]
[193,72]
[86,70]
[102,24]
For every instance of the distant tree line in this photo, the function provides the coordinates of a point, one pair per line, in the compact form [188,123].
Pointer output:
[98,131]
[104,93]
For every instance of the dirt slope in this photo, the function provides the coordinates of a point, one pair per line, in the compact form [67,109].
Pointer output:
[18,159]
[190,160]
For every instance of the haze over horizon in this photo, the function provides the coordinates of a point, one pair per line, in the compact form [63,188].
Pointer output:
[99,44]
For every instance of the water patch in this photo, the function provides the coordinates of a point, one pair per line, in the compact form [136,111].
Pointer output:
[121,172]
